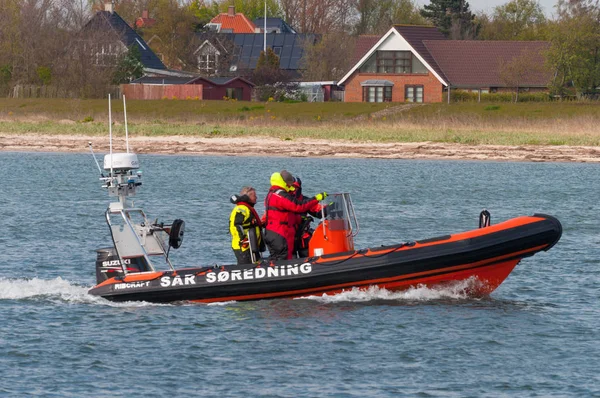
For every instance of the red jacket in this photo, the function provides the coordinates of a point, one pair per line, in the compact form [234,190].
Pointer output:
[282,208]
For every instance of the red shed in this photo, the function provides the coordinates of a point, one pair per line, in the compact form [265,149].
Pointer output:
[217,88]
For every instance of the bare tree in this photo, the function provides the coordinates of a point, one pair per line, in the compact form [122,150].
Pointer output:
[328,59]
[318,16]
[515,71]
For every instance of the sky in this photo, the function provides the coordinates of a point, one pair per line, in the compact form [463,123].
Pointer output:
[488,5]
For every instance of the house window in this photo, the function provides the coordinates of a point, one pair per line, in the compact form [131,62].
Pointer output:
[236,93]
[377,94]
[393,62]
[208,60]
[207,63]
[277,51]
[106,54]
[413,94]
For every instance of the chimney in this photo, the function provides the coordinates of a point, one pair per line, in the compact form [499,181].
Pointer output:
[231,11]
[145,14]
[108,6]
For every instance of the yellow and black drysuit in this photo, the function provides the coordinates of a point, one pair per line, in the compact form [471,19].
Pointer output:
[245,228]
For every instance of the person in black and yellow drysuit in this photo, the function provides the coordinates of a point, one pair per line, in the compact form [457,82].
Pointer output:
[245,227]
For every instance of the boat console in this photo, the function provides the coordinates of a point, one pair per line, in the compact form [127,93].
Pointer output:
[339,226]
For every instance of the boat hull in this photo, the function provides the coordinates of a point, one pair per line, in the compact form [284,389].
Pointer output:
[486,255]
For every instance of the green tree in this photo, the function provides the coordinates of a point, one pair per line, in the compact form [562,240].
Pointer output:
[267,69]
[130,66]
[407,12]
[575,8]
[203,12]
[452,17]
[575,49]
[515,20]
[45,75]
[377,16]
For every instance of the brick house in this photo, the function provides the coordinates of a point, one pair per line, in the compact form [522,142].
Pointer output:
[418,64]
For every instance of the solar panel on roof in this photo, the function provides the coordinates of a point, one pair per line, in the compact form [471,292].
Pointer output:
[297,52]
[256,52]
[289,40]
[286,52]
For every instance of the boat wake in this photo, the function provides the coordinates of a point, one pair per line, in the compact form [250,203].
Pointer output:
[459,290]
[59,290]
[56,290]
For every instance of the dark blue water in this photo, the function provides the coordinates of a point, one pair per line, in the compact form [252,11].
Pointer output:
[537,335]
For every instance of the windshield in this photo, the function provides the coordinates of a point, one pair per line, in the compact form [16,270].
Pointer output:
[340,212]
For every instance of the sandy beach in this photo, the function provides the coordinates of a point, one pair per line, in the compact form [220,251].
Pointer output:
[265,146]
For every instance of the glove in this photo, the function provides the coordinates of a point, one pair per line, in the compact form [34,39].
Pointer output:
[321,196]
[244,243]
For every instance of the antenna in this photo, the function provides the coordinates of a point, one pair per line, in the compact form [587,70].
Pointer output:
[94,156]
[126,131]
[110,134]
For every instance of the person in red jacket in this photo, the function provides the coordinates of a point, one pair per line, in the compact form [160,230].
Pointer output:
[281,209]
[302,223]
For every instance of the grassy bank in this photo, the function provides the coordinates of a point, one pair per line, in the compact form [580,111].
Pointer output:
[501,124]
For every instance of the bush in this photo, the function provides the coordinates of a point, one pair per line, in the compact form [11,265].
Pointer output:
[276,92]
[465,96]
[44,74]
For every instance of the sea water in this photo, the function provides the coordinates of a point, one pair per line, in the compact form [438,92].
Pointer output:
[536,335]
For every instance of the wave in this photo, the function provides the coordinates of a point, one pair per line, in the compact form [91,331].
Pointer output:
[455,291]
[55,290]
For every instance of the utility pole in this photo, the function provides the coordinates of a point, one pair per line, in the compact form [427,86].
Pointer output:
[265,30]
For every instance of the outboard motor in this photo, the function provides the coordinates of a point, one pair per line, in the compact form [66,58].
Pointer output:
[108,264]
[339,226]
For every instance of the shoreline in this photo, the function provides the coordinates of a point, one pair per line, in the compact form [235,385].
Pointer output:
[314,148]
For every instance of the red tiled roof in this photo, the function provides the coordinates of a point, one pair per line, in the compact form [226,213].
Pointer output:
[238,23]
[470,63]
[363,44]
[415,35]
[144,22]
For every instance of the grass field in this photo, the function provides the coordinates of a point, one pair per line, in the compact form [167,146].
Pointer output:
[470,123]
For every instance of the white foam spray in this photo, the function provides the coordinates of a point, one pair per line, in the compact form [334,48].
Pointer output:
[455,291]
[55,290]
